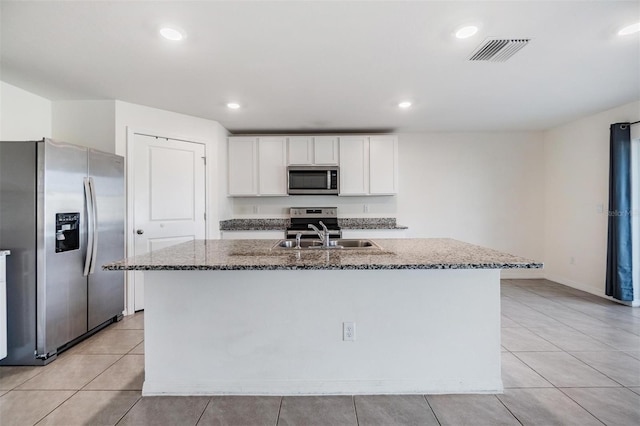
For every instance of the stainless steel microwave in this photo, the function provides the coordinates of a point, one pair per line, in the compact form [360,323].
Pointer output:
[313,180]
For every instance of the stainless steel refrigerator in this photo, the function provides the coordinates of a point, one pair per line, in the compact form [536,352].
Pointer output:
[62,213]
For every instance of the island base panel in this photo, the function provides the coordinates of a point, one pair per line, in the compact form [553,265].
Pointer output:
[262,332]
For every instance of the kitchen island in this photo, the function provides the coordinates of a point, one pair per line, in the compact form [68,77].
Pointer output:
[243,317]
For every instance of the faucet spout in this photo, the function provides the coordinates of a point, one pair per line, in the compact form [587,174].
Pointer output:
[321,234]
[325,241]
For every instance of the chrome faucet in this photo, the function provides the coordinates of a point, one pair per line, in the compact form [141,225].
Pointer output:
[298,237]
[323,235]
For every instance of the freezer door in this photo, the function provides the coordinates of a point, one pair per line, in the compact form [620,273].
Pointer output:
[61,288]
[106,288]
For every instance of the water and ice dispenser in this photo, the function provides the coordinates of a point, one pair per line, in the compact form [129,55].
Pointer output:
[67,231]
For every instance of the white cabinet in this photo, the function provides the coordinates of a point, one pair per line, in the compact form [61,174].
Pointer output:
[383,165]
[373,233]
[313,150]
[272,166]
[243,166]
[3,304]
[252,235]
[257,166]
[368,165]
[354,165]
[301,150]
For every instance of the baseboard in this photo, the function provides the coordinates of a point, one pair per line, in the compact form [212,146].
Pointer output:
[324,387]
[580,286]
[523,274]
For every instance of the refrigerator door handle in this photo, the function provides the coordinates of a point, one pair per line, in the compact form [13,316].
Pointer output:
[89,203]
[94,250]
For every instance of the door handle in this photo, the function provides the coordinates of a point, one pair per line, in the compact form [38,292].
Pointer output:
[94,203]
[140,231]
[90,217]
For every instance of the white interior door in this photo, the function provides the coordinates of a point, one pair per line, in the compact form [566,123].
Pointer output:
[169,197]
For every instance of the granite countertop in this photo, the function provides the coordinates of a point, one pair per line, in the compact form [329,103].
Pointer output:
[432,253]
[282,224]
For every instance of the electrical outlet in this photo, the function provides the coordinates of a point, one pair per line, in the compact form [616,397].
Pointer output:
[349,331]
[365,208]
[255,209]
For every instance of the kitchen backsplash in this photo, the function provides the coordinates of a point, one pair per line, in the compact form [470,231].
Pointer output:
[278,207]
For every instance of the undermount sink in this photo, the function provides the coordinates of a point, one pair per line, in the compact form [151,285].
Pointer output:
[337,244]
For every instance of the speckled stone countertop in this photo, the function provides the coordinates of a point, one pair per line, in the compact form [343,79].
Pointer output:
[282,224]
[432,253]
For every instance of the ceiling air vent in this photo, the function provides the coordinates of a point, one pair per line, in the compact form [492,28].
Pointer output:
[498,49]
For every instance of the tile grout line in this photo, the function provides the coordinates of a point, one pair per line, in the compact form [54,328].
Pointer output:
[204,410]
[509,410]
[355,409]
[580,405]
[57,406]
[130,408]
[279,410]
[435,416]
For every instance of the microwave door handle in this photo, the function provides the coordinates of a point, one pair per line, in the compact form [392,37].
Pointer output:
[328,179]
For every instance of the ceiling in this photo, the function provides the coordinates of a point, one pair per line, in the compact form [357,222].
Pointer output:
[330,66]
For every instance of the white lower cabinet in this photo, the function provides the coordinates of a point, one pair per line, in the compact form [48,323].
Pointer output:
[252,235]
[373,233]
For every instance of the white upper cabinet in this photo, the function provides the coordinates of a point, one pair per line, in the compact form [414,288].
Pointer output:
[354,165]
[313,150]
[301,150]
[368,165]
[243,166]
[257,166]
[272,166]
[383,165]
[325,150]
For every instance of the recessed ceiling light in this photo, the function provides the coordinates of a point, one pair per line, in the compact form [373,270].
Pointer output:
[233,105]
[172,34]
[467,31]
[405,104]
[630,29]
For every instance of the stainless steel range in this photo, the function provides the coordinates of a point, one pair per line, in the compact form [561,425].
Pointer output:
[302,217]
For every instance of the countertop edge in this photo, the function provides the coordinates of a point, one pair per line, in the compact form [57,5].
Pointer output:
[318,267]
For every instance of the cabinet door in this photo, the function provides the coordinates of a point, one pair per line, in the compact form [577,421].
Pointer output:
[252,235]
[272,166]
[354,165]
[383,165]
[242,166]
[301,150]
[325,150]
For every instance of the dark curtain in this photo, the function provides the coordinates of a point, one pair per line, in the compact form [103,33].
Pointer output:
[619,258]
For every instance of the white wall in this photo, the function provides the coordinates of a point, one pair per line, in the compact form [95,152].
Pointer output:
[577,174]
[23,115]
[86,123]
[482,188]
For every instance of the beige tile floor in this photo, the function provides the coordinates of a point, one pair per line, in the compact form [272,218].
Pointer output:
[568,358]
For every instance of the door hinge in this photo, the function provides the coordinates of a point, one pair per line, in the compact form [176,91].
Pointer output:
[205,216]
[205,160]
